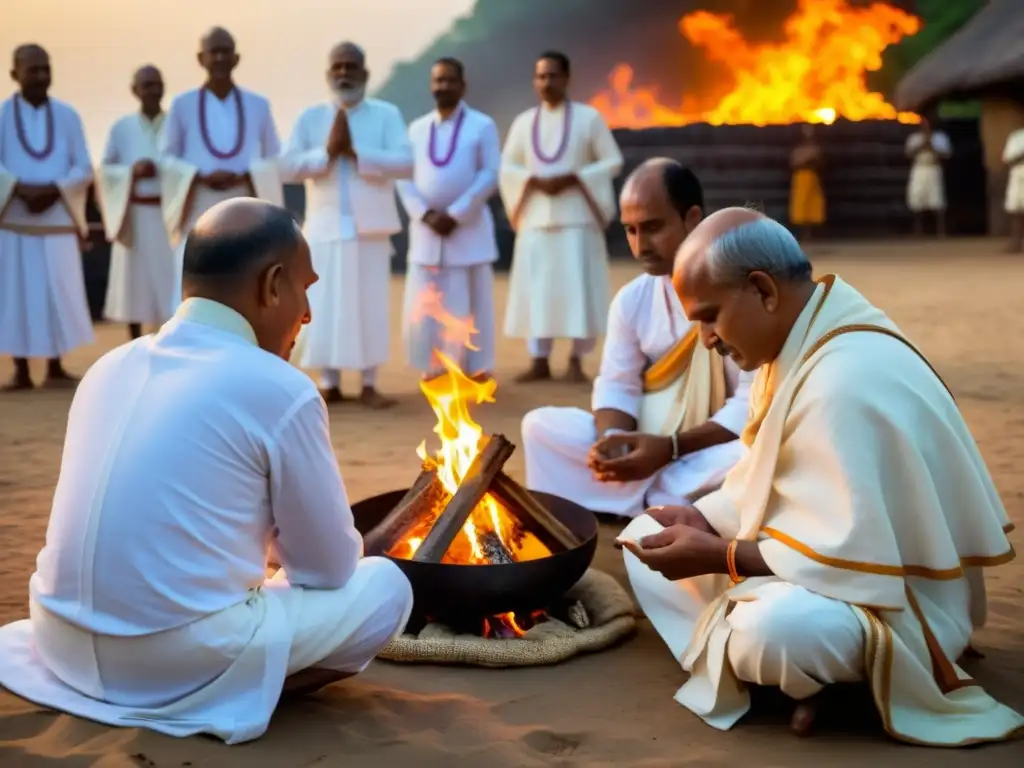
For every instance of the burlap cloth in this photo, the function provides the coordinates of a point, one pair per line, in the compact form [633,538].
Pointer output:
[610,616]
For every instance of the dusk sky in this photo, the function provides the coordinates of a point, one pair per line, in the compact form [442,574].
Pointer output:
[96,44]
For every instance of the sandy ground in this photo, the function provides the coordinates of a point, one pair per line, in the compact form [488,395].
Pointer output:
[960,301]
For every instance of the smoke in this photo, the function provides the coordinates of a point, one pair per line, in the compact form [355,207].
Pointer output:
[500,40]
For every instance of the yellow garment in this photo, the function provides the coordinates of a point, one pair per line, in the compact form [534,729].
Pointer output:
[806,199]
[682,389]
[863,484]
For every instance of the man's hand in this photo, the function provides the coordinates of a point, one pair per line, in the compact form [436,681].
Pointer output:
[626,456]
[440,222]
[553,185]
[220,180]
[339,140]
[144,169]
[38,198]
[681,552]
[685,514]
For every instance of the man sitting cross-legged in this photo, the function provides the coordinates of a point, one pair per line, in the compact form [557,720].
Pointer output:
[666,411]
[187,452]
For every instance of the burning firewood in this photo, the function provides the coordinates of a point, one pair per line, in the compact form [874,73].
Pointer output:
[533,515]
[419,500]
[472,488]
[495,550]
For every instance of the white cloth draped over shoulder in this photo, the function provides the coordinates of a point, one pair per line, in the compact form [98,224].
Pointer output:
[43,307]
[237,457]
[1013,153]
[244,121]
[457,161]
[926,190]
[647,334]
[351,213]
[142,277]
[559,281]
[868,495]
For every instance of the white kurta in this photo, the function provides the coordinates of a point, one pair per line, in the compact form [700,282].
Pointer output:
[43,307]
[1013,154]
[872,507]
[645,321]
[351,213]
[926,190]
[163,619]
[184,155]
[559,282]
[142,269]
[451,275]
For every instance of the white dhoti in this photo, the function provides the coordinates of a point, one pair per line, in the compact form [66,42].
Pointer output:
[558,288]
[43,307]
[468,292]
[776,634]
[557,440]
[221,675]
[925,189]
[349,304]
[142,278]
[1015,190]
[203,199]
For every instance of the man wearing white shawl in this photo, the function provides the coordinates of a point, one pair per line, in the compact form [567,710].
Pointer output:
[218,142]
[557,169]
[848,543]
[666,413]
[45,173]
[142,269]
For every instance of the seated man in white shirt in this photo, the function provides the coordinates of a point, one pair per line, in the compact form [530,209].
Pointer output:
[186,454]
[666,412]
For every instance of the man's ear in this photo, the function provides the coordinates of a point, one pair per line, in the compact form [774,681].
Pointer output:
[271,282]
[694,216]
[767,289]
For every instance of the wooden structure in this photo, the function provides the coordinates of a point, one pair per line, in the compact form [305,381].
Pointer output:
[983,60]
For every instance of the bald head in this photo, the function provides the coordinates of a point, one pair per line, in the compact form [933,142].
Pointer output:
[218,55]
[28,51]
[347,73]
[661,202]
[145,73]
[30,69]
[148,88]
[216,36]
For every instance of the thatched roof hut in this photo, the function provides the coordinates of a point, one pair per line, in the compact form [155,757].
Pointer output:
[984,58]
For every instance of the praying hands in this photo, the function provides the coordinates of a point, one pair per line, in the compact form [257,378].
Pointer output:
[554,185]
[38,198]
[339,141]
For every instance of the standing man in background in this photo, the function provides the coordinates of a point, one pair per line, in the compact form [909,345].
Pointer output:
[142,275]
[219,141]
[557,169]
[349,151]
[806,195]
[451,230]
[926,190]
[1013,156]
[45,172]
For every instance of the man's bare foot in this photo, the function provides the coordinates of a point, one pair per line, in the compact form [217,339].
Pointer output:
[574,373]
[539,370]
[58,378]
[307,681]
[18,383]
[1014,248]
[373,399]
[332,395]
[803,718]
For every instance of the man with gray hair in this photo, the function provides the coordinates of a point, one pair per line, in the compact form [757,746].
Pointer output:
[847,544]
[349,151]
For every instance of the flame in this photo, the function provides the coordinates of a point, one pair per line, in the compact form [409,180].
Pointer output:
[490,530]
[815,75]
[508,625]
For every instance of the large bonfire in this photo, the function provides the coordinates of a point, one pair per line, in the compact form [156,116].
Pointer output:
[815,75]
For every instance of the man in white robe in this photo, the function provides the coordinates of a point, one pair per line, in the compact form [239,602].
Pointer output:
[449,282]
[45,173]
[218,142]
[1013,157]
[142,268]
[557,169]
[926,190]
[158,614]
[673,408]
[847,544]
[349,151]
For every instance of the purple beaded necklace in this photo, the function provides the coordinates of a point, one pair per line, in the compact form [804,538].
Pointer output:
[563,145]
[19,128]
[443,161]
[205,131]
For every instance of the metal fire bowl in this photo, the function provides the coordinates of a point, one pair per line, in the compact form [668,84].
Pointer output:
[459,591]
